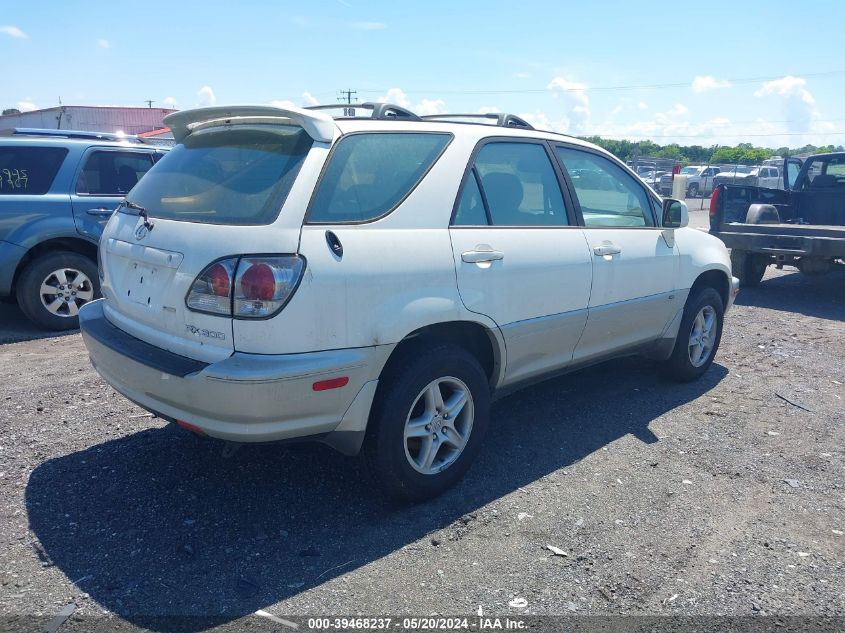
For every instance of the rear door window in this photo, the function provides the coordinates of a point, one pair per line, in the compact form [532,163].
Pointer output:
[29,170]
[520,188]
[369,174]
[110,173]
[238,175]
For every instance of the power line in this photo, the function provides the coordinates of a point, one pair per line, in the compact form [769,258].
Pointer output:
[686,84]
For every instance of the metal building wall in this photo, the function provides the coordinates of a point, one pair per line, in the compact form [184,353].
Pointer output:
[91,119]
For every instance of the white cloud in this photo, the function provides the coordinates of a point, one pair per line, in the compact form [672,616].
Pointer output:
[679,109]
[430,106]
[617,110]
[103,43]
[13,31]
[798,102]
[788,86]
[703,83]
[642,105]
[398,97]
[27,105]
[307,100]
[169,102]
[395,96]
[542,121]
[206,96]
[368,26]
[576,102]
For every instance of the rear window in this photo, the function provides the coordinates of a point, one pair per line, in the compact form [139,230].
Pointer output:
[29,170]
[239,175]
[369,174]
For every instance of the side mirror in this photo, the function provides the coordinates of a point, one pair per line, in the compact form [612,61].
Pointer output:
[675,214]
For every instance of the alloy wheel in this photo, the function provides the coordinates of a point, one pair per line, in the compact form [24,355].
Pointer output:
[66,290]
[438,425]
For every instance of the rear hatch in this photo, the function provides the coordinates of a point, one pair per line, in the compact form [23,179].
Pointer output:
[237,184]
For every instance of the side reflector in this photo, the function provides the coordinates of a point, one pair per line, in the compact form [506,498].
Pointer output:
[190,427]
[331,383]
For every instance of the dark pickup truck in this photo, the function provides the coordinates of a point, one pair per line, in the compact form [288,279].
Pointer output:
[802,225]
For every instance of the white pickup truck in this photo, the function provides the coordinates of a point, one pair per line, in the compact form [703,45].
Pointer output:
[699,180]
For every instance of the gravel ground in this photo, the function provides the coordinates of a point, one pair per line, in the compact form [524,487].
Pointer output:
[725,496]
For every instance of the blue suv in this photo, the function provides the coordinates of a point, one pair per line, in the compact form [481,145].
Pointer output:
[57,191]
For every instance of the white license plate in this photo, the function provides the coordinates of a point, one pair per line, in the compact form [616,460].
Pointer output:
[141,284]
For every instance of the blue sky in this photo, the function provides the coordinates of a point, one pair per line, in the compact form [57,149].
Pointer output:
[696,73]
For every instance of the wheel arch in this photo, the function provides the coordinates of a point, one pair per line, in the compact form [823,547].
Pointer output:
[717,279]
[63,243]
[482,342]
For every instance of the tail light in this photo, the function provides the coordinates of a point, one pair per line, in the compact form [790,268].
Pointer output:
[263,285]
[714,201]
[211,291]
[247,286]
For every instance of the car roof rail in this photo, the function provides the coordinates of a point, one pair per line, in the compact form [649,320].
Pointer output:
[78,134]
[503,119]
[381,111]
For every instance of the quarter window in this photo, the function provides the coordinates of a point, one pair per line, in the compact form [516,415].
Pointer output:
[608,195]
[368,175]
[112,173]
[29,170]
[520,188]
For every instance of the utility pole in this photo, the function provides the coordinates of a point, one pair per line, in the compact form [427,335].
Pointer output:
[347,95]
[149,103]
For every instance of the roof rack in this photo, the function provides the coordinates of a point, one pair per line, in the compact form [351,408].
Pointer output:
[503,119]
[383,111]
[81,134]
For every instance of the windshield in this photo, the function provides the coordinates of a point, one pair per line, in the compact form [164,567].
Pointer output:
[234,175]
[689,171]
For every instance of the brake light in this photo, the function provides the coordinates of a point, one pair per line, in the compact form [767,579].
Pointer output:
[714,201]
[258,282]
[263,285]
[221,284]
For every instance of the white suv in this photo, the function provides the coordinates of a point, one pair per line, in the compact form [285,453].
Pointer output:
[371,281]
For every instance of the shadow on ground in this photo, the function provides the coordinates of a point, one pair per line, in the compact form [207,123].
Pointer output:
[158,523]
[15,327]
[820,296]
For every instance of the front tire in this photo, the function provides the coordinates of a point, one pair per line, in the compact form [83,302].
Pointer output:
[428,420]
[698,338]
[53,287]
[693,191]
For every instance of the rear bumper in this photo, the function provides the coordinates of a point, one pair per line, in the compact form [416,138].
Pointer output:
[831,246]
[10,257]
[246,397]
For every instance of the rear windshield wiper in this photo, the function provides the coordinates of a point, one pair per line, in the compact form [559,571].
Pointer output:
[142,212]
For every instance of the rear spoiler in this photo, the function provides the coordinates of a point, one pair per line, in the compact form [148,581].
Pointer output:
[319,126]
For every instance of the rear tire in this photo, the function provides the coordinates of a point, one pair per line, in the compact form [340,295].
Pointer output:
[417,445]
[748,267]
[54,286]
[698,338]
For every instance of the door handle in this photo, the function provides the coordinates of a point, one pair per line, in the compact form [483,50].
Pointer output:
[101,212]
[606,249]
[481,256]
